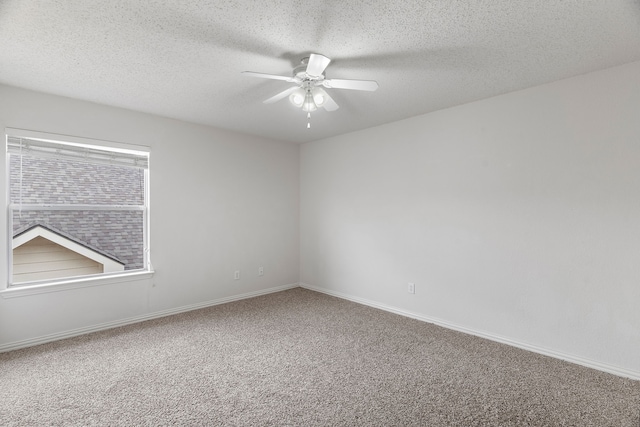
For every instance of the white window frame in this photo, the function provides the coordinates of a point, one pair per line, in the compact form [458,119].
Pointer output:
[40,286]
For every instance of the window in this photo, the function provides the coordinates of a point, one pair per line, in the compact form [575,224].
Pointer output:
[77,208]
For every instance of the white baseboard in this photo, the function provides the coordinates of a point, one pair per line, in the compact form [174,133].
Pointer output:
[109,325]
[615,370]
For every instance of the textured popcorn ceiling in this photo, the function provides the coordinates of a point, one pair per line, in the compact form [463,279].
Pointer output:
[182,59]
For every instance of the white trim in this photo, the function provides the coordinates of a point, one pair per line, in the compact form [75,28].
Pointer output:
[615,370]
[79,141]
[34,288]
[110,265]
[109,325]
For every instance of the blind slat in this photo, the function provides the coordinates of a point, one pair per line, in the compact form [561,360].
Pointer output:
[60,150]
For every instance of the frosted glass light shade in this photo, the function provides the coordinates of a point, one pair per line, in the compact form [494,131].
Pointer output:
[297,98]
[309,105]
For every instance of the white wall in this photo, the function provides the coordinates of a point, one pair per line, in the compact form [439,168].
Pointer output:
[517,217]
[220,202]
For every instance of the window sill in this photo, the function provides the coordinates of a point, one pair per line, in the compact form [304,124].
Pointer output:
[68,284]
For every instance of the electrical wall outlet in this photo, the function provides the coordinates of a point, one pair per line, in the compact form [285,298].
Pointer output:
[260,271]
[236,275]
[411,288]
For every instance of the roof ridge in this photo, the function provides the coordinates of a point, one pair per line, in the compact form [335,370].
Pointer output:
[66,235]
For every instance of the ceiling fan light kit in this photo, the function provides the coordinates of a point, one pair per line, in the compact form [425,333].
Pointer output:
[308,100]
[309,78]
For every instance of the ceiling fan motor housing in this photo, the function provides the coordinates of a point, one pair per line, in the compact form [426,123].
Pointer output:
[300,72]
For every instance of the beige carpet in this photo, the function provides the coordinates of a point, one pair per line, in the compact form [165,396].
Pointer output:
[300,358]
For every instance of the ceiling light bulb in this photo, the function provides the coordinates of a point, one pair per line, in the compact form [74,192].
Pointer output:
[308,104]
[318,99]
[297,99]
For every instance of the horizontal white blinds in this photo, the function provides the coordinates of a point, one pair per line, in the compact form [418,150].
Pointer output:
[78,152]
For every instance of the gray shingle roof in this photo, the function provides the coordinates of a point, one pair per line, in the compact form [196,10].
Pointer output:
[117,233]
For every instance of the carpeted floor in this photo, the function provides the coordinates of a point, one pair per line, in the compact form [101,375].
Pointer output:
[300,358]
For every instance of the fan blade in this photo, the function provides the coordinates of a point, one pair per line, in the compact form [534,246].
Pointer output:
[269,76]
[317,64]
[368,85]
[281,95]
[327,102]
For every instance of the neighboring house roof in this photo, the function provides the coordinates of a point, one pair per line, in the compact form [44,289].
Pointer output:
[31,231]
[117,234]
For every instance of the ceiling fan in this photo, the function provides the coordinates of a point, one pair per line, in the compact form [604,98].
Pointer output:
[309,79]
